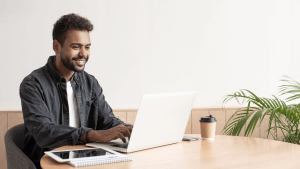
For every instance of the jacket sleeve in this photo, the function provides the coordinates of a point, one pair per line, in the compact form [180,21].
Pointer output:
[38,119]
[106,117]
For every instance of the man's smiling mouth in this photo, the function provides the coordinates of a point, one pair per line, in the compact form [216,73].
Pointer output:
[80,62]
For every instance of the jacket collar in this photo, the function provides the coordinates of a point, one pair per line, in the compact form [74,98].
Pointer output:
[53,72]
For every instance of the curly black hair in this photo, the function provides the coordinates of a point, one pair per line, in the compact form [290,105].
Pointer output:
[69,22]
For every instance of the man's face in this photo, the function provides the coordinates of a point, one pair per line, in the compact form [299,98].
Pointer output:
[76,50]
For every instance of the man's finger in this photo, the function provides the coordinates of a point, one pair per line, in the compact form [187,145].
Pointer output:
[129,128]
[126,133]
[120,135]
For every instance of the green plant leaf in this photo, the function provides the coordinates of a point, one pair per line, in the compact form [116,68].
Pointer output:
[282,117]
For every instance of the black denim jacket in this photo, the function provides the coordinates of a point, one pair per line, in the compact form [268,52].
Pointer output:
[45,109]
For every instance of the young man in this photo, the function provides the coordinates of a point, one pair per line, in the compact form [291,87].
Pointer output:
[61,103]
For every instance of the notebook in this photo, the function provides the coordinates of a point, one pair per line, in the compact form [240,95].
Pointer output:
[161,120]
[88,156]
[98,162]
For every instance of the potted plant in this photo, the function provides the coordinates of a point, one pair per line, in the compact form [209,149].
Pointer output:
[281,116]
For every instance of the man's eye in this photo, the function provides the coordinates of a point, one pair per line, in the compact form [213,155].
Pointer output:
[75,47]
[87,47]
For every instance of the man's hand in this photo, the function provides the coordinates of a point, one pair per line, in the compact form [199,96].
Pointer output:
[119,131]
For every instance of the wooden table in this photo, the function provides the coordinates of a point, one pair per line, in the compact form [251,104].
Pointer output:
[228,152]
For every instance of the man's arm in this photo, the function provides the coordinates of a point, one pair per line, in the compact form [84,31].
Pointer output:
[119,131]
[38,119]
[108,126]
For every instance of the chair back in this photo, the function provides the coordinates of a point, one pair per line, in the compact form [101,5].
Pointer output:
[14,143]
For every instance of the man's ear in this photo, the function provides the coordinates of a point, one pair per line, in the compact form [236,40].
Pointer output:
[56,46]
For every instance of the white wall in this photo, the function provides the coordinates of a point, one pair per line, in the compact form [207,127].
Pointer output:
[212,46]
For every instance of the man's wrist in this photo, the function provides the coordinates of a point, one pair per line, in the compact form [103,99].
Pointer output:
[87,137]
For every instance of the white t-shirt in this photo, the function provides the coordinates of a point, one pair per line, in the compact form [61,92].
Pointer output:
[73,110]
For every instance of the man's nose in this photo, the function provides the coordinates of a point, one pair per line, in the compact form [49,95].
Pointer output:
[83,52]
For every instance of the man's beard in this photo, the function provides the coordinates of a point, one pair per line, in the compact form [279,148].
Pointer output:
[71,65]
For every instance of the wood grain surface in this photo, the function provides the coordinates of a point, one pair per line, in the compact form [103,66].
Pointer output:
[3,129]
[224,152]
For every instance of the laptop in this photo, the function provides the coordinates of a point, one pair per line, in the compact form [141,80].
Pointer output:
[161,120]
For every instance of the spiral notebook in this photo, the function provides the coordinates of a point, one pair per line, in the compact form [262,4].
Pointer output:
[98,162]
[88,156]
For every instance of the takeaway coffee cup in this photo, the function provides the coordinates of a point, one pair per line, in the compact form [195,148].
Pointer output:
[208,127]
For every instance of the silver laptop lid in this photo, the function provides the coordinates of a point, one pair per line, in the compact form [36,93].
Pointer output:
[161,120]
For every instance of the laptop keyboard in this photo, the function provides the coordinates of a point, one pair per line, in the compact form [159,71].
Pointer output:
[117,145]
[125,145]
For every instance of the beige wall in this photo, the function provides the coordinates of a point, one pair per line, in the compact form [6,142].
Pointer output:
[214,47]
